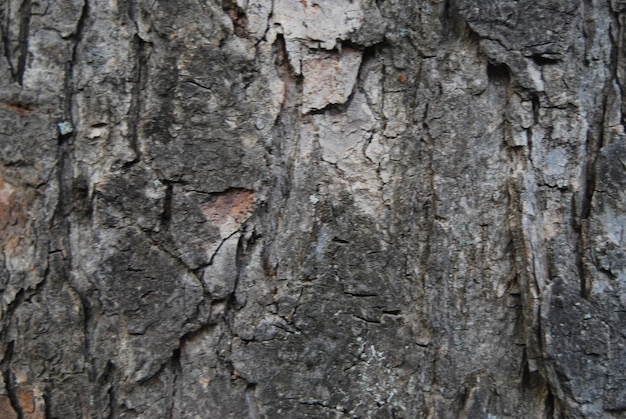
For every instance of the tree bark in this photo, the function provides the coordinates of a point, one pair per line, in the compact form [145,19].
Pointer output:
[312,208]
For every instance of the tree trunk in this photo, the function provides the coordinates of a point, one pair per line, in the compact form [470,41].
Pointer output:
[312,209]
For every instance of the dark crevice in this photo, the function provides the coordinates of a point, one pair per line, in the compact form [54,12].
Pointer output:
[77,37]
[395,312]
[525,374]
[47,399]
[548,410]
[133,13]
[445,17]
[70,77]
[523,265]
[292,80]
[24,13]
[454,27]
[112,403]
[429,206]
[8,380]
[361,294]
[6,43]
[65,139]
[534,99]
[238,16]
[11,307]
[12,393]
[536,106]
[108,378]
[585,213]
[176,368]
[542,60]
[498,72]
[197,84]
[219,247]
[594,143]
[367,319]
[368,55]
[88,326]
[240,262]
[333,108]
[134,112]
[166,214]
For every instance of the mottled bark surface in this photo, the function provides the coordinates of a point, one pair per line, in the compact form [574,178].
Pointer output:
[312,209]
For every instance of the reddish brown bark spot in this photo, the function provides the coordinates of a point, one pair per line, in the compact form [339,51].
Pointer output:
[32,403]
[233,205]
[27,401]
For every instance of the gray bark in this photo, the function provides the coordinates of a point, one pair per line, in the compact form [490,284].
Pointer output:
[312,208]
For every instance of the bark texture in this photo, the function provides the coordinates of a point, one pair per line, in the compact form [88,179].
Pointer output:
[312,209]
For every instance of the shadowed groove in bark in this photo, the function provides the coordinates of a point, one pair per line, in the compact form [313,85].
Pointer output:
[173,387]
[6,42]
[166,214]
[141,51]
[9,380]
[25,16]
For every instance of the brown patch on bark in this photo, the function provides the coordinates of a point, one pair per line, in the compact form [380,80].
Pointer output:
[238,16]
[6,410]
[21,109]
[233,205]
[32,403]
[12,210]
[27,401]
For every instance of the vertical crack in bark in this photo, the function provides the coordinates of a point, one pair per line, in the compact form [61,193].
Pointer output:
[6,42]
[166,214]
[108,378]
[61,224]
[594,143]
[46,396]
[112,403]
[430,206]
[88,325]
[445,18]
[549,407]
[285,129]
[9,382]
[524,268]
[134,110]
[536,106]
[620,58]
[240,262]
[583,236]
[172,388]
[140,77]
[70,79]
[24,13]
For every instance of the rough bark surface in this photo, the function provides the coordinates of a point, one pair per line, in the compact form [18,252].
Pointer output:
[312,208]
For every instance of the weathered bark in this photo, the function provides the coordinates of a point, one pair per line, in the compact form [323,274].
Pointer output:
[299,208]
